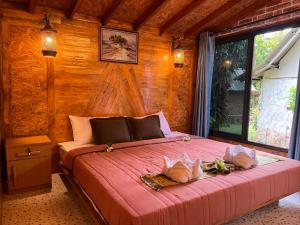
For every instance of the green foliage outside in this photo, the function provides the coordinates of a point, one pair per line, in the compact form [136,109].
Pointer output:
[118,39]
[292,98]
[264,45]
[229,59]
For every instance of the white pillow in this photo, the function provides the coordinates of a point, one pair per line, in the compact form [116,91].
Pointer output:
[82,130]
[164,125]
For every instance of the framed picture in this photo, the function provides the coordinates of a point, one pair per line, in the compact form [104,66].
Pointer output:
[118,45]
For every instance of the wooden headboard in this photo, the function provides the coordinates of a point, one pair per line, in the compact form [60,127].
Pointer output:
[40,93]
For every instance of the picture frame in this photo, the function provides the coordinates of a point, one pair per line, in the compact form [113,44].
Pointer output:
[118,45]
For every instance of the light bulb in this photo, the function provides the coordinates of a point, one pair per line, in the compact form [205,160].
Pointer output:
[49,39]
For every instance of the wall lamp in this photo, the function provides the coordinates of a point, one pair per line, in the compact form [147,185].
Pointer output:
[48,34]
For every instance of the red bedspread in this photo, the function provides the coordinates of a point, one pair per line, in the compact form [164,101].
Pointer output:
[112,181]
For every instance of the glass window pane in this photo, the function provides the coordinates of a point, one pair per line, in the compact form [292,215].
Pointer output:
[228,87]
[273,88]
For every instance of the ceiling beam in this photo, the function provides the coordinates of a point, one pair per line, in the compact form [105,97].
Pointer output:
[32,6]
[198,27]
[246,12]
[110,11]
[148,13]
[182,13]
[74,9]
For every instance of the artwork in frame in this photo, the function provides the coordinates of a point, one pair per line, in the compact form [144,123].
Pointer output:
[118,45]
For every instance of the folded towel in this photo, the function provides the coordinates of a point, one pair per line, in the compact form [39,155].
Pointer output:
[240,156]
[182,170]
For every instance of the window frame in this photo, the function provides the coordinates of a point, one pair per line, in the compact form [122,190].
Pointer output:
[250,37]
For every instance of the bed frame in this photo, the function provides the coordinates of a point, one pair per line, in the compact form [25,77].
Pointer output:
[96,215]
[73,186]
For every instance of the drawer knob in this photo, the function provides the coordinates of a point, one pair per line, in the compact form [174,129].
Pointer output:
[29,151]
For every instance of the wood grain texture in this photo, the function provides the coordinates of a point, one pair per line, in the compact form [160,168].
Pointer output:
[41,93]
[108,14]
[148,13]
[175,17]
[130,10]
[168,10]
[231,9]
[64,5]
[95,7]
[245,12]
[182,13]
[32,6]
[25,82]
[74,9]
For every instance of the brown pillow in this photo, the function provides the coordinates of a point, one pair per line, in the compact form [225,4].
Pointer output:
[110,130]
[145,128]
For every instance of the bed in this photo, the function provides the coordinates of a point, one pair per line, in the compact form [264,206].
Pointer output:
[111,183]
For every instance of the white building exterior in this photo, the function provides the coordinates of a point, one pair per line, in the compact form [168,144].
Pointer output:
[275,119]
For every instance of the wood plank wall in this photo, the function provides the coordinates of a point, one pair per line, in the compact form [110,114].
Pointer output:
[1,129]
[40,93]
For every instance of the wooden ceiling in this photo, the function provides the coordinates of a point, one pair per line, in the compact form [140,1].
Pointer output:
[178,17]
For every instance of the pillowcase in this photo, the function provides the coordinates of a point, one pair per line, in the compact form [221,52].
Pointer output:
[82,131]
[145,128]
[110,130]
[83,134]
[164,125]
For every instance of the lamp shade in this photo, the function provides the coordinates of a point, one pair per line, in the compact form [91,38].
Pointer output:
[48,36]
[178,57]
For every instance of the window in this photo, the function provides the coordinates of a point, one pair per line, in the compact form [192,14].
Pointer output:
[254,87]
[228,87]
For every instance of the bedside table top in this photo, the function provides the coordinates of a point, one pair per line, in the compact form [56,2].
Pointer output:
[23,141]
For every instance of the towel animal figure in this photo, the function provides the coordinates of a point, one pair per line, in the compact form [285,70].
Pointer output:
[182,170]
[240,156]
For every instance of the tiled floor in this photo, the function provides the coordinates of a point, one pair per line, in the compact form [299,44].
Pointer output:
[60,207]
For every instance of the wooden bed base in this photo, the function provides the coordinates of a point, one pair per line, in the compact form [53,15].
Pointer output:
[98,218]
[72,185]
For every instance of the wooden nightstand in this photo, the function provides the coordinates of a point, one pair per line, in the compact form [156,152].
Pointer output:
[28,162]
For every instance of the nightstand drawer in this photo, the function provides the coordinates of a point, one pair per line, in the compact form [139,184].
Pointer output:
[26,173]
[27,152]
[28,163]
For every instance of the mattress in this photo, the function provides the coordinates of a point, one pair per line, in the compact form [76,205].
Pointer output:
[112,182]
[65,147]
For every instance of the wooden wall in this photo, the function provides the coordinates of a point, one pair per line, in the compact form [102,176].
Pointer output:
[40,93]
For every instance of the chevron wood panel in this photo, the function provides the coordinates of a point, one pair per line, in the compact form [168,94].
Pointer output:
[41,93]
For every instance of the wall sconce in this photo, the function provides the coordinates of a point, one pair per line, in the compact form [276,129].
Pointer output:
[48,39]
[178,53]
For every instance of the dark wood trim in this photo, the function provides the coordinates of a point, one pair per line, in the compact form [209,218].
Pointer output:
[32,5]
[247,91]
[237,138]
[186,10]
[110,11]
[74,9]
[148,13]
[51,96]
[247,11]
[259,30]
[198,27]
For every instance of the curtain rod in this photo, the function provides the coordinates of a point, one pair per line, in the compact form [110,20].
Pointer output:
[260,20]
